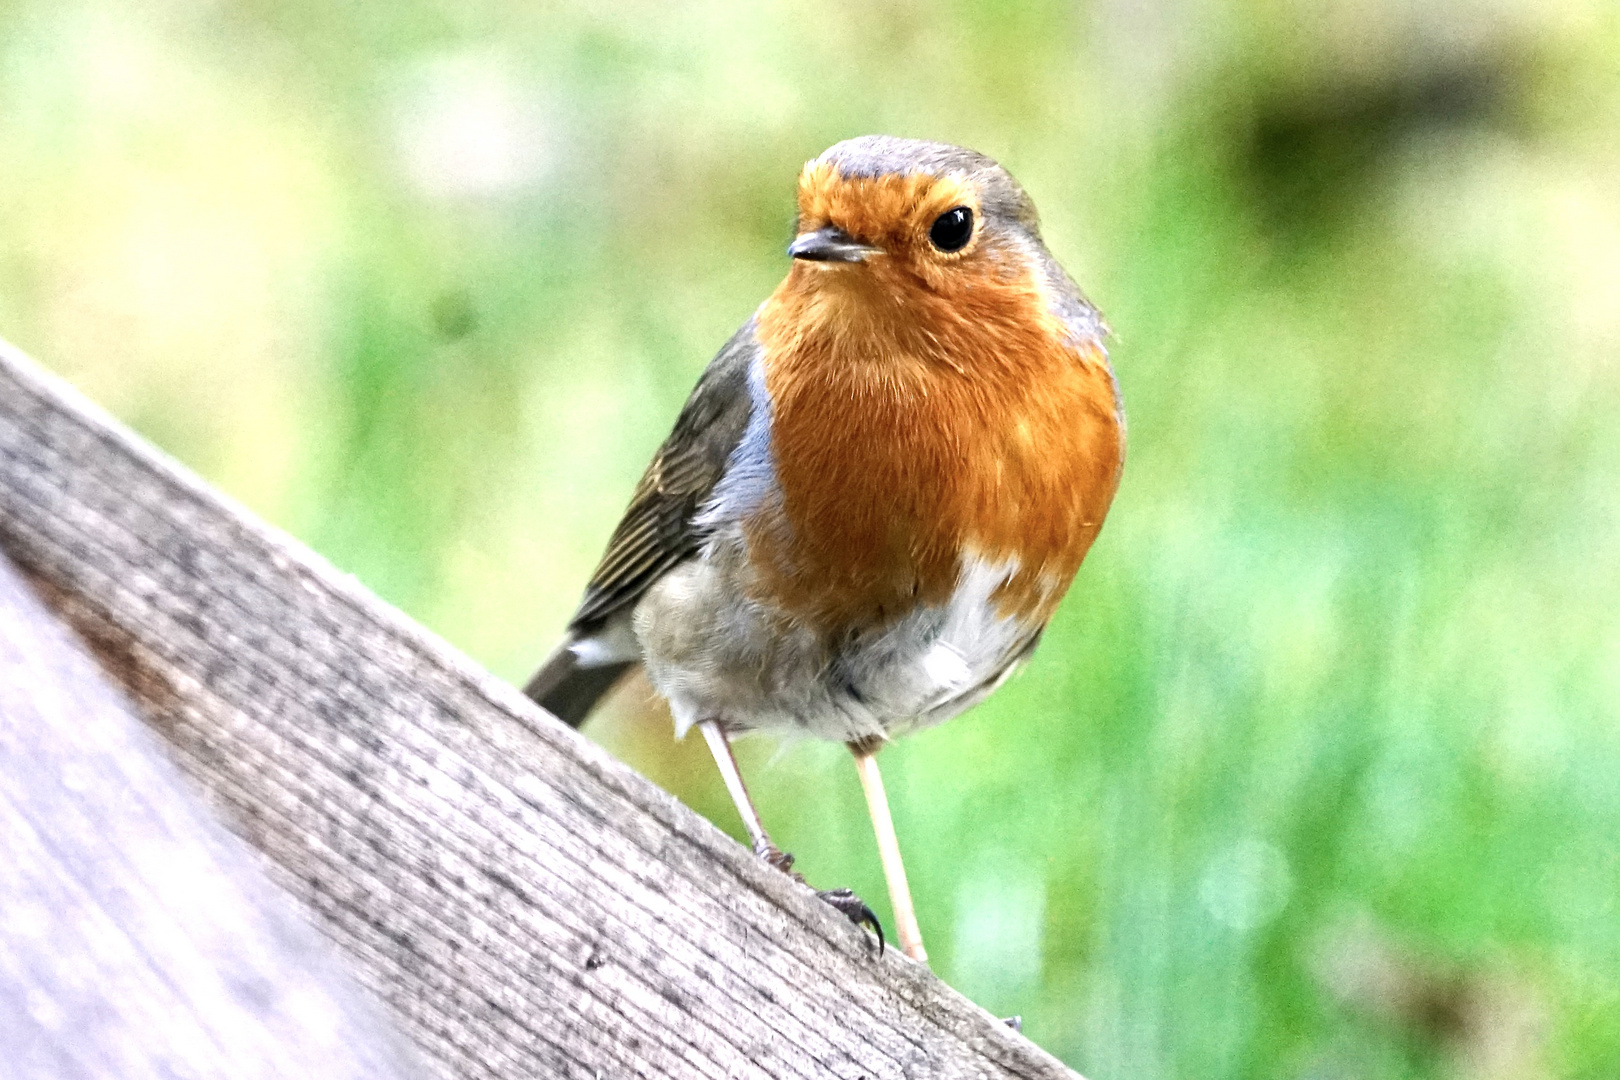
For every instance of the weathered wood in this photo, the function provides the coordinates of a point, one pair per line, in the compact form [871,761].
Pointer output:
[525,905]
[137,938]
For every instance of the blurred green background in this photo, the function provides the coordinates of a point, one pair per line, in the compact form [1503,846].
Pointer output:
[1317,773]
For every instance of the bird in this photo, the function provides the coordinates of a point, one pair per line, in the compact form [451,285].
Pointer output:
[878,491]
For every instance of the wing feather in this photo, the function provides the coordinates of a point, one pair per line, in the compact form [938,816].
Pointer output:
[659,529]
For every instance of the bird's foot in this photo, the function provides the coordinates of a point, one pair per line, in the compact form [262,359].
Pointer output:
[1014,1022]
[844,901]
[855,910]
[782,860]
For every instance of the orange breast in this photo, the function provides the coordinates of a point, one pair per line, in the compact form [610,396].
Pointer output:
[911,430]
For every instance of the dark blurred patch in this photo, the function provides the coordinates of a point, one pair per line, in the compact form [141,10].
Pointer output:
[1310,155]
[453,315]
[1487,1020]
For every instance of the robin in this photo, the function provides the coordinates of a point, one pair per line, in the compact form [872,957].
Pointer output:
[878,491]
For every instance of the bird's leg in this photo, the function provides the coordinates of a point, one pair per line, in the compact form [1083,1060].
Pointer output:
[894,872]
[720,747]
[851,906]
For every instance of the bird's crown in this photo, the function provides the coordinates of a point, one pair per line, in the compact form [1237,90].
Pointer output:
[925,204]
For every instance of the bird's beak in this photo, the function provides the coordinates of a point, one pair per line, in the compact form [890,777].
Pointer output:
[830,244]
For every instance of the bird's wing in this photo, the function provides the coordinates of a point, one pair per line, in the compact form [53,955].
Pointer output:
[660,527]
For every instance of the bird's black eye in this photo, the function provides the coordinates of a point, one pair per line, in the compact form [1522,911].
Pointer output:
[952,230]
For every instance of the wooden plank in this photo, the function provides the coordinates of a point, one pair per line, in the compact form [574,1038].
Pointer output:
[525,905]
[138,939]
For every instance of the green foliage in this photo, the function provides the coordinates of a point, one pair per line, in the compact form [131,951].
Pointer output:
[1315,772]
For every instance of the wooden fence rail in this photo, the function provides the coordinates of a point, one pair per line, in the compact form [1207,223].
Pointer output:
[139,941]
[521,904]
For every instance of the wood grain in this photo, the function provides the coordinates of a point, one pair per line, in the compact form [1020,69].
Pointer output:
[522,903]
[138,939]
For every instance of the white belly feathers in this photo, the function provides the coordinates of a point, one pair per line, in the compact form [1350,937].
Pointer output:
[717,654]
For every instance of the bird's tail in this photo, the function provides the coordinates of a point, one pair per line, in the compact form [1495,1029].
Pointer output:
[569,689]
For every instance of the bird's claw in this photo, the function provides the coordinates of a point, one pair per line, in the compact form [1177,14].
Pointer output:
[844,901]
[1014,1022]
[855,910]
[781,860]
